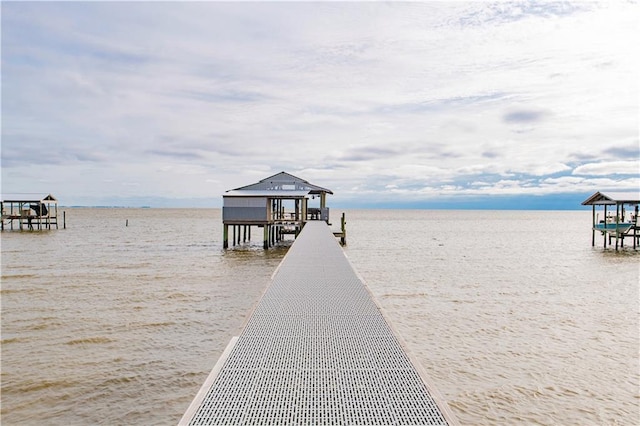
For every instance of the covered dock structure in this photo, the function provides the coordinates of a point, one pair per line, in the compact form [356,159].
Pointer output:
[619,224]
[29,211]
[278,204]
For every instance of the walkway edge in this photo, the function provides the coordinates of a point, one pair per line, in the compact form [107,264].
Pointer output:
[204,389]
[452,420]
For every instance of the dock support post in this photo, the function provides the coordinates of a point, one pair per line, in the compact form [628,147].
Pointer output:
[265,239]
[343,227]
[225,236]
[635,228]
[593,225]
[605,221]
[617,222]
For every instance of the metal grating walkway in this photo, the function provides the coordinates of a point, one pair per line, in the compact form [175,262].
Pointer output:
[316,351]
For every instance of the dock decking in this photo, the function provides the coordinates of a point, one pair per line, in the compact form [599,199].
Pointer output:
[317,350]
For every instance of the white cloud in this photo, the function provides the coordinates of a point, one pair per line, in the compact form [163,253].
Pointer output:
[408,99]
[609,168]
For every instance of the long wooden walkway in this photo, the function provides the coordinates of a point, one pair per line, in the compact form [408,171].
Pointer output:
[317,351]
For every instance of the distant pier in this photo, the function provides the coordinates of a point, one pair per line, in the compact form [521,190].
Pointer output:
[616,225]
[29,211]
[317,351]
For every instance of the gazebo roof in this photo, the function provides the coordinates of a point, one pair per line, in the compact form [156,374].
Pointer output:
[29,198]
[612,198]
[282,182]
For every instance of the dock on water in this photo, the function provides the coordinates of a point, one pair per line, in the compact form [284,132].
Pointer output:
[615,224]
[317,351]
[280,204]
[29,211]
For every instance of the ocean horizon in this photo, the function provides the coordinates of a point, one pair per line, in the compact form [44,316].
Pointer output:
[562,201]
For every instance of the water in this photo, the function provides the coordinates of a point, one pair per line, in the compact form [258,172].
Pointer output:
[514,316]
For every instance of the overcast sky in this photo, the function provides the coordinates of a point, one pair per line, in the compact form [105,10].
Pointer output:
[126,102]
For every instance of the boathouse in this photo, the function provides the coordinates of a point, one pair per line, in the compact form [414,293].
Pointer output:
[279,204]
[29,211]
[619,224]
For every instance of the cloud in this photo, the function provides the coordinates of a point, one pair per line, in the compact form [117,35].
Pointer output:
[609,168]
[524,116]
[176,154]
[399,100]
[504,12]
[631,150]
[366,153]
[549,169]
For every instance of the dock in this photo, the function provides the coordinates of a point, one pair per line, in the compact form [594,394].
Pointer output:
[616,225]
[280,204]
[317,350]
[29,211]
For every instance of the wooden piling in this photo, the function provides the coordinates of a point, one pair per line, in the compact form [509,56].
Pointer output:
[265,237]
[635,228]
[593,226]
[605,220]
[617,222]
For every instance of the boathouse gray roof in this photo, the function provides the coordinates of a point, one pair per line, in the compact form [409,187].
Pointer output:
[612,198]
[266,193]
[281,184]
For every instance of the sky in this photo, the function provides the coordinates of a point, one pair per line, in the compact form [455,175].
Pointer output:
[395,104]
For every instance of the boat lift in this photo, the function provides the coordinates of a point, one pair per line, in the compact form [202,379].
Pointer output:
[618,225]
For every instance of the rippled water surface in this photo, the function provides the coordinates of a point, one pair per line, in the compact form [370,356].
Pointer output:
[515,317]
